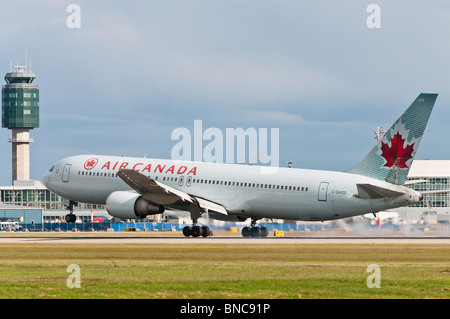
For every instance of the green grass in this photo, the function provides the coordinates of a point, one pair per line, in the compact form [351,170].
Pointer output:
[224,271]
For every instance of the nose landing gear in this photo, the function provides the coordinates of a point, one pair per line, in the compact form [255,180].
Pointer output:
[71,217]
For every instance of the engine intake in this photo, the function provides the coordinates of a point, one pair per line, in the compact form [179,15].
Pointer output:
[129,205]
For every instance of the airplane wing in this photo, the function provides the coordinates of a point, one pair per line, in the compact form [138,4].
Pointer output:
[161,194]
[368,191]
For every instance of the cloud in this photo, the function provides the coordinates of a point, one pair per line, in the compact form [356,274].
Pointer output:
[136,70]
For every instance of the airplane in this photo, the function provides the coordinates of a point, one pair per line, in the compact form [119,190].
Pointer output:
[133,188]
[383,217]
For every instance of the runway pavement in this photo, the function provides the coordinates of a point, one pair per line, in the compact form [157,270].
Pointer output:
[99,239]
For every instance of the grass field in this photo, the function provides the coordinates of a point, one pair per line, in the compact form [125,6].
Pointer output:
[224,271]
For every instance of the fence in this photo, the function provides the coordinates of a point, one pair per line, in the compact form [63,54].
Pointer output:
[121,227]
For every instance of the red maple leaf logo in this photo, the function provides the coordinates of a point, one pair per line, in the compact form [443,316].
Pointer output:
[90,163]
[397,154]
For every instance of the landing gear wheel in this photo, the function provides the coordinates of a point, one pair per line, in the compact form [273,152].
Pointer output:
[196,231]
[71,218]
[187,231]
[264,232]
[246,232]
[206,232]
[255,231]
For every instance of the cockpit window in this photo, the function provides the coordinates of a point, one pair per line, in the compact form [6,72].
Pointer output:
[51,169]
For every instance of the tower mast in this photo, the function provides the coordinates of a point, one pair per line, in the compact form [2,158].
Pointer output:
[20,114]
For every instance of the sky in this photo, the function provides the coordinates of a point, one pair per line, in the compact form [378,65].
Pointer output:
[135,71]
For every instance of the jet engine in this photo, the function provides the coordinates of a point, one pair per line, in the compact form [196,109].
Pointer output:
[130,205]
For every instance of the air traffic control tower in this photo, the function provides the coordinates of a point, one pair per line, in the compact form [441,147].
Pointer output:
[20,113]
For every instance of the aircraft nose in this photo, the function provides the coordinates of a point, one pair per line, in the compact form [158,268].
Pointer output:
[47,178]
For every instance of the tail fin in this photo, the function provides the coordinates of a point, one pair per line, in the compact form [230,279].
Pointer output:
[391,158]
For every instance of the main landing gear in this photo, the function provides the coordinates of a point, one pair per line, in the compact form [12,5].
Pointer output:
[71,217]
[196,230]
[255,231]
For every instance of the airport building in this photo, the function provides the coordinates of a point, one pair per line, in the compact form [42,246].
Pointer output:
[435,175]
[19,214]
[20,114]
[30,193]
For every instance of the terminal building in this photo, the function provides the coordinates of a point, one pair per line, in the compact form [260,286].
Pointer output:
[31,193]
[435,175]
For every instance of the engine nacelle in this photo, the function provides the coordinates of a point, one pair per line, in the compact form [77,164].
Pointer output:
[129,205]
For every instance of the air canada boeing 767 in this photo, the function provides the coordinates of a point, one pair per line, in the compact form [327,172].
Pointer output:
[132,188]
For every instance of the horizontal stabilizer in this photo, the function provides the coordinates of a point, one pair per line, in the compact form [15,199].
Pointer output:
[440,191]
[415,181]
[368,191]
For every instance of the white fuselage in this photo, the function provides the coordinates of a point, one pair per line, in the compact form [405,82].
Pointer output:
[246,190]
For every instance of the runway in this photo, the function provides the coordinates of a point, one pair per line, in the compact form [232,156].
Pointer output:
[220,240]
